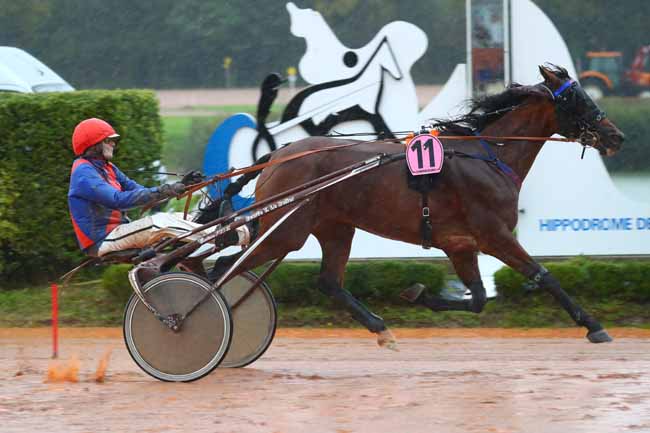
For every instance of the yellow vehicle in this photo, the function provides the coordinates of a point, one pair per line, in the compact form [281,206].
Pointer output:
[604,74]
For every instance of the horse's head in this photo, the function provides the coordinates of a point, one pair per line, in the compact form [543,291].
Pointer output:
[577,116]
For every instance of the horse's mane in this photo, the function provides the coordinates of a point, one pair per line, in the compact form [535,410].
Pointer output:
[488,109]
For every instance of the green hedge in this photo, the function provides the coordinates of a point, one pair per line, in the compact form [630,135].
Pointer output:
[36,235]
[377,282]
[598,280]
[116,283]
[631,116]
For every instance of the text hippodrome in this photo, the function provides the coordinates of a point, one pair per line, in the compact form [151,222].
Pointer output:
[594,224]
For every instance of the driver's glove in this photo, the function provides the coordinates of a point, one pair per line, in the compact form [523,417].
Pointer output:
[170,190]
[192,178]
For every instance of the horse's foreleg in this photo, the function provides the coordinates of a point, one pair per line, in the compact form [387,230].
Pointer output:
[510,252]
[466,266]
[359,312]
[336,241]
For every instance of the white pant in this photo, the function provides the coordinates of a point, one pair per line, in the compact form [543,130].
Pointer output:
[150,229]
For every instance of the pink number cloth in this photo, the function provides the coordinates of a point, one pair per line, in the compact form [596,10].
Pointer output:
[424,155]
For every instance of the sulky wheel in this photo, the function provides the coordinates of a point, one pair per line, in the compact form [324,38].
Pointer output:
[204,336]
[254,319]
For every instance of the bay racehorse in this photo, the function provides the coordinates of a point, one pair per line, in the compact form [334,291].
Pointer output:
[473,202]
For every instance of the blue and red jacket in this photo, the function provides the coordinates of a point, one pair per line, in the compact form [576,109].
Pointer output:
[99,193]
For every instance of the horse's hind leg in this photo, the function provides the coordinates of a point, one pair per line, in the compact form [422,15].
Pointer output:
[221,265]
[336,241]
[466,266]
[510,252]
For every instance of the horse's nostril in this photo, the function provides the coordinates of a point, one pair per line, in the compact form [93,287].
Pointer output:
[616,138]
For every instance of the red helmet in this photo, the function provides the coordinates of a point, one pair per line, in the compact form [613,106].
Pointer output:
[90,132]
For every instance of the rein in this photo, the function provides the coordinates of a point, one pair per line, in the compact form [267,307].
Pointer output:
[506,138]
[411,134]
[240,171]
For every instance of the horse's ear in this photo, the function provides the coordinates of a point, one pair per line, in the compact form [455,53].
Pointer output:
[546,73]
[550,76]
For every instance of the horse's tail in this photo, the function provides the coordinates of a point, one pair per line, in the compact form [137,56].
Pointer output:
[223,204]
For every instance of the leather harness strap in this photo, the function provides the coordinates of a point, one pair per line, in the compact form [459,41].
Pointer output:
[426,228]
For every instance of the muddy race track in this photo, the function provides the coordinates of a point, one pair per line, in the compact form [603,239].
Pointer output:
[446,381]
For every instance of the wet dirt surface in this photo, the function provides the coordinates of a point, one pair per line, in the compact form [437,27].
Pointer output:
[442,380]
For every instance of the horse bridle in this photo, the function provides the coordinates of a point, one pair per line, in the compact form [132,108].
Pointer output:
[575,121]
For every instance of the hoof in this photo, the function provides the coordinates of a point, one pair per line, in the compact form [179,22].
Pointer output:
[599,337]
[413,293]
[386,339]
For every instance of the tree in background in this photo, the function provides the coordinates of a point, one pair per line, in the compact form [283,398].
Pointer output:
[598,25]
[182,43]
[21,23]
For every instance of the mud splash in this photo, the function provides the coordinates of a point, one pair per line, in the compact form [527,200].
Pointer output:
[100,373]
[63,371]
[68,371]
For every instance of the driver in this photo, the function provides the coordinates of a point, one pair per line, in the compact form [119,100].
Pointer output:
[100,193]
